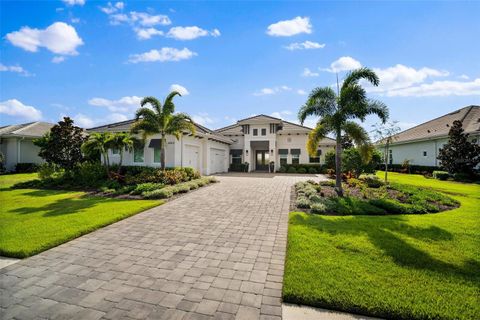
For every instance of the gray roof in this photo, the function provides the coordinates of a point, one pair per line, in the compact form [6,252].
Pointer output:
[439,127]
[31,129]
[124,126]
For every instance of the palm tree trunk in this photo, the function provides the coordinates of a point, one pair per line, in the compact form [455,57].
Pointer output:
[163,142]
[338,165]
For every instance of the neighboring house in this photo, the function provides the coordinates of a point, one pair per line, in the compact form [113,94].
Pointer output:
[261,139]
[207,151]
[256,140]
[420,144]
[16,143]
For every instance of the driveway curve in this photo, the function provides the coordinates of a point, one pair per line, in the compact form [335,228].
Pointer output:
[215,253]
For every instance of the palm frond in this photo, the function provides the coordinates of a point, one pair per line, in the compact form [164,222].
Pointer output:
[180,123]
[320,102]
[146,128]
[361,139]
[378,108]
[144,113]
[168,105]
[318,133]
[154,102]
[354,76]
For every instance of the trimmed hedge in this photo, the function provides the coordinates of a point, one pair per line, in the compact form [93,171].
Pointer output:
[441,175]
[169,191]
[411,168]
[238,167]
[302,168]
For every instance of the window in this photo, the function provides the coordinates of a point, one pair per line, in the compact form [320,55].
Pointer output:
[264,132]
[156,155]
[138,154]
[424,153]
[255,132]
[283,156]
[236,156]
[115,151]
[316,159]
[295,156]
[390,157]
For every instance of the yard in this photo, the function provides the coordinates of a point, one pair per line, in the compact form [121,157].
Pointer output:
[34,220]
[398,266]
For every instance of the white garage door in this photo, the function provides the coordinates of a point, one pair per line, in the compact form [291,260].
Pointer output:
[217,160]
[191,157]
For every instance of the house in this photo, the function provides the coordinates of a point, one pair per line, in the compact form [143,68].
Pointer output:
[16,143]
[257,140]
[420,145]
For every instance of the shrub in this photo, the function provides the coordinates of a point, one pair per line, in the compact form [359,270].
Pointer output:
[238,167]
[164,193]
[328,183]
[181,188]
[89,174]
[48,171]
[190,172]
[390,206]
[352,206]
[282,169]
[292,170]
[315,198]
[193,185]
[26,167]
[174,176]
[441,175]
[372,181]
[312,170]
[302,202]
[144,187]
[301,170]
[318,208]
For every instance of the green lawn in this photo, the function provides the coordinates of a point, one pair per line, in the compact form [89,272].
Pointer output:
[401,266]
[35,220]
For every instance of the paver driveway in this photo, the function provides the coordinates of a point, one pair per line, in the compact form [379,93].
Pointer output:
[216,253]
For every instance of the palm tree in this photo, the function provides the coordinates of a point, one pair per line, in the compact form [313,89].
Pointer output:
[336,112]
[121,141]
[98,142]
[161,120]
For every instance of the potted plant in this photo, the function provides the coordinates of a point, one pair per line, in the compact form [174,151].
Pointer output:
[245,165]
[272,166]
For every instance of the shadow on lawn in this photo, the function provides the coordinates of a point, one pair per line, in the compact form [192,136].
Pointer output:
[382,235]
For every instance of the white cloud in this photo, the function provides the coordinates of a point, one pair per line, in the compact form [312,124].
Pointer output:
[305,45]
[15,108]
[58,59]
[75,20]
[281,114]
[439,88]
[74,2]
[148,20]
[147,33]
[162,55]
[190,33]
[124,104]
[85,121]
[271,91]
[203,119]
[309,73]
[59,38]
[343,64]
[464,77]
[301,92]
[17,69]
[180,89]
[287,28]
[112,8]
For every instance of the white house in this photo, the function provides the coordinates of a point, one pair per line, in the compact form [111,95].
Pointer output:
[257,140]
[16,143]
[420,144]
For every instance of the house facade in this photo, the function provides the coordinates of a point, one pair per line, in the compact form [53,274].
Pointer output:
[16,143]
[257,140]
[420,145]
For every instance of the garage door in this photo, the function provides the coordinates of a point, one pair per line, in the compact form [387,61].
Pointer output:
[191,157]
[217,160]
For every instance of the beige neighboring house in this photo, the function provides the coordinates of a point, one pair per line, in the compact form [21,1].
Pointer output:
[421,144]
[261,139]
[256,140]
[16,143]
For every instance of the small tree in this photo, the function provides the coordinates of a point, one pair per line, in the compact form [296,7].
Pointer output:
[61,146]
[121,141]
[459,155]
[98,143]
[385,134]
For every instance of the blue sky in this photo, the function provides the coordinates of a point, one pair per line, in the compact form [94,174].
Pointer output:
[94,60]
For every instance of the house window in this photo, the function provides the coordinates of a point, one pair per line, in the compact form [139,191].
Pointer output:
[255,132]
[295,156]
[156,155]
[424,153]
[138,154]
[264,132]
[115,151]
[316,159]
[390,157]
[236,156]
[283,153]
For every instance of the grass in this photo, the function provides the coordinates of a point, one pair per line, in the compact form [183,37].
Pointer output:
[35,220]
[401,266]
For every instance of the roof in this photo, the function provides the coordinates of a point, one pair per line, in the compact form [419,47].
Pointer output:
[124,126]
[30,129]
[439,127]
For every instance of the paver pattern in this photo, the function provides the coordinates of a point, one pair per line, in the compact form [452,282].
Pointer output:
[216,253]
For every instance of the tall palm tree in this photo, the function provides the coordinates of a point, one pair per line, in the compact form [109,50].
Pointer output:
[161,120]
[99,142]
[336,112]
[121,141]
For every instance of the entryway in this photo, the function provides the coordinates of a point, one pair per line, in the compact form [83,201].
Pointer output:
[262,160]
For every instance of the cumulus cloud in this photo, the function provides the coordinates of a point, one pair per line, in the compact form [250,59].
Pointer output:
[74,2]
[203,119]
[343,64]
[309,73]
[439,88]
[16,69]
[180,89]
[15,108]
[287,28]
[190,33]
[271,91]
[281,114]
[112,8]
[85,121]
[162,55]
[147,33]
[124,104]
[301,92]
[306,45]
[59,38]
[58,59]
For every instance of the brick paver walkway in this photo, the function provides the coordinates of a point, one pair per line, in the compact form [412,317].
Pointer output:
[216,253]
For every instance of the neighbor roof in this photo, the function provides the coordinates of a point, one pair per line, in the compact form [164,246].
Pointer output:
[439,127]
[125,126]
[30,129]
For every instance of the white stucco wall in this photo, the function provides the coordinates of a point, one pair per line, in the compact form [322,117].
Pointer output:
[29,152]
[19,150]
[9,149]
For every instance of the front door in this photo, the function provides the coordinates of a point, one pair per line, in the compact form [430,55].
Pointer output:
[262,161]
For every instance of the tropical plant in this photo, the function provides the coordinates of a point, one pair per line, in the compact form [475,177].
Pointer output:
[98,142]
[385,133]
[336,112]
[161,120]
[121,141]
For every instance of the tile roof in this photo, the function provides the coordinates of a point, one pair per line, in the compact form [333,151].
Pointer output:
[439,127]
[30,129]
